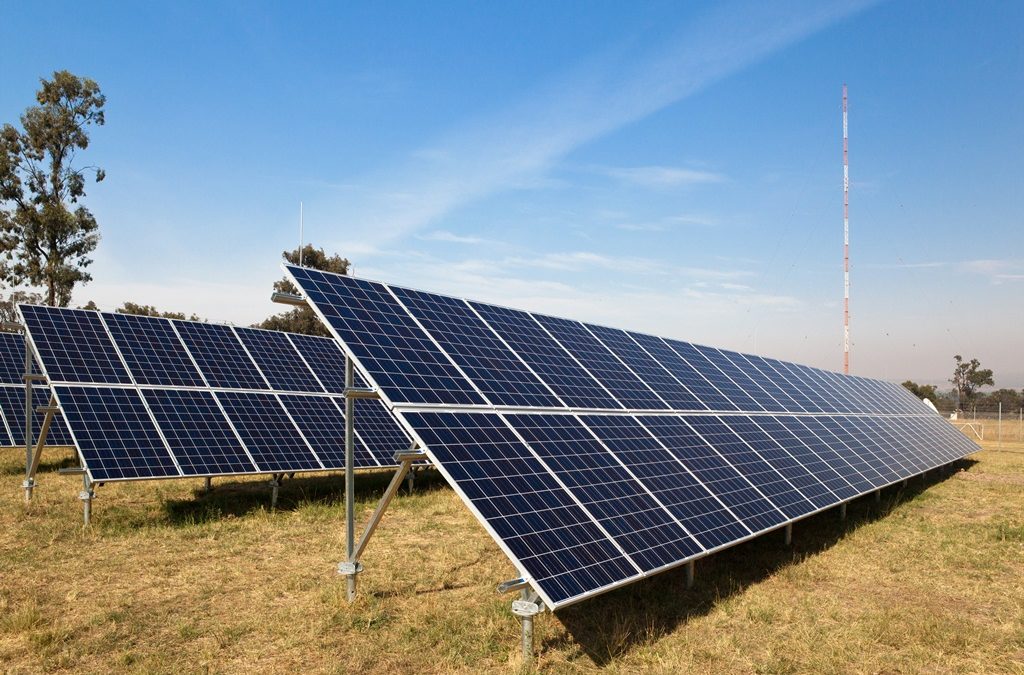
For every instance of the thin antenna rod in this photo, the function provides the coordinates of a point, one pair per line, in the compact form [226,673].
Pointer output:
[300,234]
[846,242]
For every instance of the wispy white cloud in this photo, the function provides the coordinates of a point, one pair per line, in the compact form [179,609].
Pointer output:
[600,96]
[451,237]
[996,271]
[662,176]
[664,224]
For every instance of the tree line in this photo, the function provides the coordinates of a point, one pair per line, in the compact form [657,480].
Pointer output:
[967,380]
[47,234]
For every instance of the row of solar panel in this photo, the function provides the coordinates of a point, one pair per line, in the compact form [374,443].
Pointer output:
[126,433]
[78,346]
[585,503]
[424,348]
[12,411]
[191,398]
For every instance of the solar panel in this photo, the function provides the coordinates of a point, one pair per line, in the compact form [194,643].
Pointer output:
[74,345]
[671,450]
[387,342]
[211,399]
[152,351]
[220,355]
[278,360]
[614,375]
[197,432]
[567,378]
[12,404]
[115,433]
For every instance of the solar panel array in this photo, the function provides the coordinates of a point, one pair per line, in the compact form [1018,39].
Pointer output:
[597,456]
[146,397]
[12,397]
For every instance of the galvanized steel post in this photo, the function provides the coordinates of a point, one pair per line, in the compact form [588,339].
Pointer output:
[350,482]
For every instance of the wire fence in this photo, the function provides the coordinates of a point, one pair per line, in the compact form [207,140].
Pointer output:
[990,422]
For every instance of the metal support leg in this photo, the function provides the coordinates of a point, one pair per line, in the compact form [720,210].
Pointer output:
[351,567]
[29,478]
[350,480]
[788,534]
[878,496]
[690,566]
[33,466]
[527,607]
[842,511]
[905,482]
[207,485]
[410,481]
[86,496]
[275,485]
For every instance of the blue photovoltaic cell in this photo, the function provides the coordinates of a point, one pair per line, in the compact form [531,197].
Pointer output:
[115,434]
[220,356]
[152,350]
[569,380]
[707,394]
[750,506]
[761,373]
[323,425]
[326,359]
[697,360]
[12,402]
[647,369]
[841,431]
[197,432]
[704,516]
[789,382]
[496,371]
[12,358]
[889,462]
[546,532]
[268,433]
[380,432]
[821,387]
[278,360]
[644,529]
[839,458]
[819,466]
[393,350]
[755,467]
[848,454]
[723,361]
[74,345]
[802,380]
[602,364]
[775,454]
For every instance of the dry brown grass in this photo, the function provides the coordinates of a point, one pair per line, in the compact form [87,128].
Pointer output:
[168,580]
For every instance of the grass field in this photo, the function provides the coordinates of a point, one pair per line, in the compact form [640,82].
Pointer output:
[169,580]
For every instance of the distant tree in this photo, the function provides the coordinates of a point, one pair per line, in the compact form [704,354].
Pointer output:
[9,305]
[927,391]
[968,377]
[1010,398]
[150,310]
[302,319]
[91,306]
[46,236]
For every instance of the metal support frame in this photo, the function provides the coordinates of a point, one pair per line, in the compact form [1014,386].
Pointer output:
[788,534]
[351,567]
[275,486]
[690,569]
[526,608]
[86,495]
[207,485]
[905,482]
[842,511]
[33,457]
[878,496]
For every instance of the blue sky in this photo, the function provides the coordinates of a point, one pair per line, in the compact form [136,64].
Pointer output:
[670,167]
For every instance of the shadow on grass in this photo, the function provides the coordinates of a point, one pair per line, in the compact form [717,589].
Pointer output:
[234,498]
[54,458]
[612,624]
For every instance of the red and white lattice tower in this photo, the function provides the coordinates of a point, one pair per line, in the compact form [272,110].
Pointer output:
[846,242]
